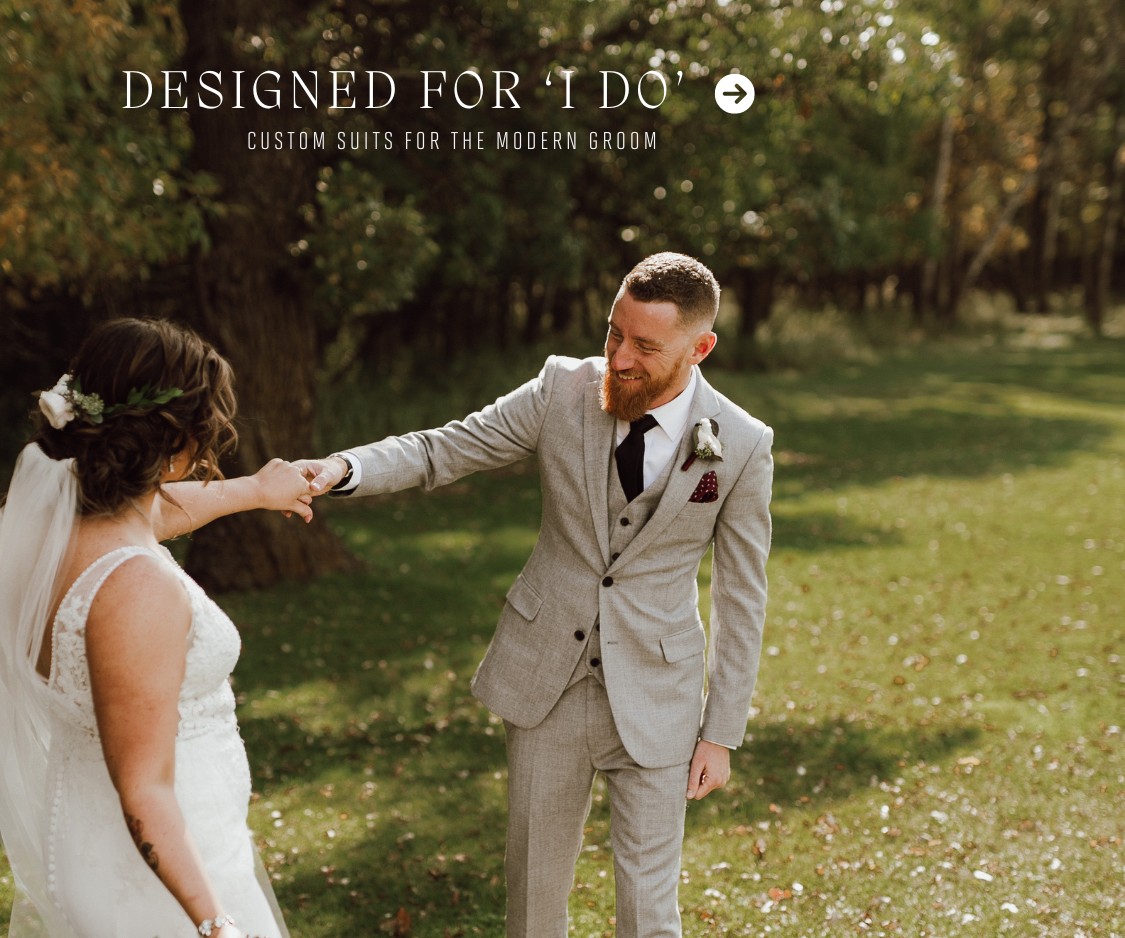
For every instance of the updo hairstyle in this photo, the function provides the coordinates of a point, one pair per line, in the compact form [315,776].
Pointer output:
[126,455]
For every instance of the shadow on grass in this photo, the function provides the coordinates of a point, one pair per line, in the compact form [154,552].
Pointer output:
[829,760]
[435,845]
[925,441]
[436,849]
[1089,370]
[940,413]
[823,530]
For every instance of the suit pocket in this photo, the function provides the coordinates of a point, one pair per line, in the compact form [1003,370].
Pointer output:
[685,644]
[523,598]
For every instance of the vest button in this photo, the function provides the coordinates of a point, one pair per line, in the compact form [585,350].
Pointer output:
[608,581]
[615,555]
[579,635]
[624,522]
[594,662]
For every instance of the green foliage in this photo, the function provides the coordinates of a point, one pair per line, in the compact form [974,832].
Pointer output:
[90,194]
[828,183]
[367,255]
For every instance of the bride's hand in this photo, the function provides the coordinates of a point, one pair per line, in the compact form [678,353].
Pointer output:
[283,487]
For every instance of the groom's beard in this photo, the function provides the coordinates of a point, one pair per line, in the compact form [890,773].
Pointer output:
[629,400]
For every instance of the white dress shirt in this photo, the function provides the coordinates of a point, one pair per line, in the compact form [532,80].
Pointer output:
[663,441]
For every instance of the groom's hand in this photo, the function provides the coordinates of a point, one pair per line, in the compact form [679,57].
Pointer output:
[710,769]
[323,474]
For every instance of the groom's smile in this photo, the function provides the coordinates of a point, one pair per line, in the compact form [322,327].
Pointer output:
[649,354]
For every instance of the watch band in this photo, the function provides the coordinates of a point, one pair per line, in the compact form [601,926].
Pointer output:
[347,475]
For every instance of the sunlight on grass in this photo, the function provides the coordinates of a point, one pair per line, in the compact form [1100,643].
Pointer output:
[935,747]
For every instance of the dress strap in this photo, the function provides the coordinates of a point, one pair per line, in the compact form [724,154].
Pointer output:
[85,587]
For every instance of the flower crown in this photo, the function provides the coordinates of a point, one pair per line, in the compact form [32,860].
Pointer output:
[65,401]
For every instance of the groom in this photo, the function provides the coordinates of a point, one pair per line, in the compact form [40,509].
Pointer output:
[599,658]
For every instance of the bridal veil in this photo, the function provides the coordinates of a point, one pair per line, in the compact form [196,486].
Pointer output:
[36,523]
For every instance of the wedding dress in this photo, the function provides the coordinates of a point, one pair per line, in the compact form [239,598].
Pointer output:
[88,879]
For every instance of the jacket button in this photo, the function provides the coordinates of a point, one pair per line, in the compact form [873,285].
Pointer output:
[579,635]
[608,581]
[624,522]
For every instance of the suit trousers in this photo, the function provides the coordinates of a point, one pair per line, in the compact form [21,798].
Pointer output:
[551,770]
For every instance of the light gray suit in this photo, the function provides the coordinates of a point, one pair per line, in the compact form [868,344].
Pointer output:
[640,603]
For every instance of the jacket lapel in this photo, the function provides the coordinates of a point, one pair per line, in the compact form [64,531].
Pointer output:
[597,445]
[681,483]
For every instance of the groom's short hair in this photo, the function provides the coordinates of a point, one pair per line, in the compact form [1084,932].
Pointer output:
[678,279]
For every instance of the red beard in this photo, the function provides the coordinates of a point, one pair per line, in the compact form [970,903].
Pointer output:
[629,400]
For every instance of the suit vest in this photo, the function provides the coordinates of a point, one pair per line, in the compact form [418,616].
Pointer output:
[626,519]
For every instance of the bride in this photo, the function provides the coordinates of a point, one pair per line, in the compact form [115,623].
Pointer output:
[124,783]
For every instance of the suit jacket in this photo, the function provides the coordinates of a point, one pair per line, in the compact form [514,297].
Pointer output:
[653,645]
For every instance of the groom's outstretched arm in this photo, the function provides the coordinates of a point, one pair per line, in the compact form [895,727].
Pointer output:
[498,435]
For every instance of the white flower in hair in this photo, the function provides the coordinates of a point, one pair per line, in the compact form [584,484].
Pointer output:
[56,405]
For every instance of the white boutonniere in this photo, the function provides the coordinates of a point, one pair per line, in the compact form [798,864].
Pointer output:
[705,443]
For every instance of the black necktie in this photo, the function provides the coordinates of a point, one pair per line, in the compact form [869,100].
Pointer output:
[630,457]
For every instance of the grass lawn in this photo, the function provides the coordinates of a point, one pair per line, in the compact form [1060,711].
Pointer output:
[936,745]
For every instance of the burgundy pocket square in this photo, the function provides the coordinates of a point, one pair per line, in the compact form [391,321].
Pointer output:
[707,490]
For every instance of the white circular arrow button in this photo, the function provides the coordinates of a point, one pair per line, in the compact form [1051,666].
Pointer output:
[734,93]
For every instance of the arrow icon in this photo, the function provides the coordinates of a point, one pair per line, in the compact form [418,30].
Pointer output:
[734,93]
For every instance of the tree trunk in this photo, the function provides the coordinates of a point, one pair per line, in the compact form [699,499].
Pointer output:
[927,296]
[1016,277]
[754,287]
[1050,258]
[1097,298]
[248,300]
[1042,225]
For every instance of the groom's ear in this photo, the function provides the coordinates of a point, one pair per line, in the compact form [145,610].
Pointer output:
[702,346]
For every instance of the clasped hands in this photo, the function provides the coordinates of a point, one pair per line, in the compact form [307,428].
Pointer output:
[289,487]
[284,486]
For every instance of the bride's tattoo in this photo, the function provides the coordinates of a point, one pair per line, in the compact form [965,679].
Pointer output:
[148,851]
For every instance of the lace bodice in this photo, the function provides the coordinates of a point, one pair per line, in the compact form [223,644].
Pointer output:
[206,699]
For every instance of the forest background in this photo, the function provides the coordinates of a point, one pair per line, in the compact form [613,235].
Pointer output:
[899,157]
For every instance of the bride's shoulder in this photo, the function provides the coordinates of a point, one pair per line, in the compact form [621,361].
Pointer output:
[125,579]
[141,595]
[138,631]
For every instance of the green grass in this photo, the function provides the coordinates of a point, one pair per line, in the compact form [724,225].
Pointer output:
[936,748]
